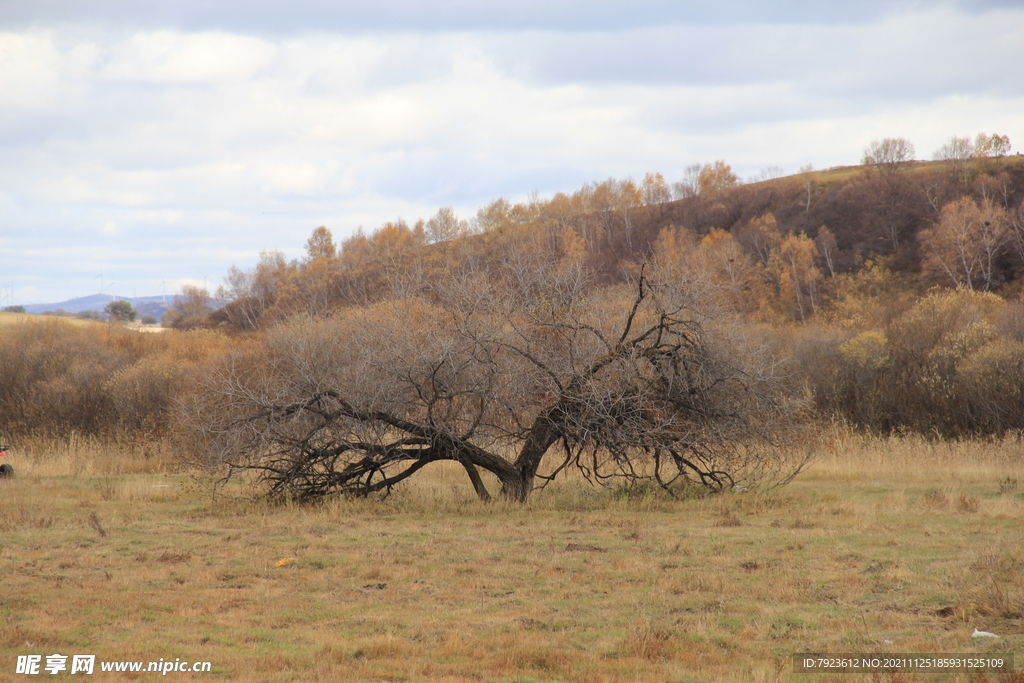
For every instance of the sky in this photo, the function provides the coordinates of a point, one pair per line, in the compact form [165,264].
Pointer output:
[149,145]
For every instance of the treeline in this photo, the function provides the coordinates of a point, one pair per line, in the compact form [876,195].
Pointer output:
[895,283]
[957,222]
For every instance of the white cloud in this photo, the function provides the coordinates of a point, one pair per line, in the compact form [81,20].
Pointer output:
[195,149]
[171,57]
[30,71]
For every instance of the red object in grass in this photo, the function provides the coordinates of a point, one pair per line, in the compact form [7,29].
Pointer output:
[3,453]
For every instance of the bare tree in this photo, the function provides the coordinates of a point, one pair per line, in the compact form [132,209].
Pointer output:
[688,186]
[1015,229]
[958,152]
[253,294]
[522,382]
[888,155]
[827,248]
[445,225]
[956,148]
[769,173]
[809,181]
[191,309]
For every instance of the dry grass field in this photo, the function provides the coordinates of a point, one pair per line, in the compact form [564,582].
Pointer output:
[881,546]
[7,319]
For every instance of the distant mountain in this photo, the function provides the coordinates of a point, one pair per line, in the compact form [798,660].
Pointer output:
[152,305]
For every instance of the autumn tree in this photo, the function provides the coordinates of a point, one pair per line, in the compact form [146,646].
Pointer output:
[716,265]
[516,385]
[956,148]
[610,206]
[673,250]
[254,297]
[445,225]
[965,243]
[994,145]
[990,150]
[191,309]
[320,245]
[315,290]
[715,177]
[940,367]
[493,216]
[389,260]
[761,237]
[798,274]
[655,190]
[892,210]
[563,210]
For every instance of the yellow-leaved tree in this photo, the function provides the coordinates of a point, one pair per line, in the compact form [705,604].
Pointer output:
[716,176]
[798,274]
[965,243]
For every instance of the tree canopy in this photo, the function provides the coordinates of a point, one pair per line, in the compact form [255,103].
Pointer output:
[120,310]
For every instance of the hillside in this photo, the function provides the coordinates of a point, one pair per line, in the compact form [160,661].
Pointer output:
[151,305]
[848,270]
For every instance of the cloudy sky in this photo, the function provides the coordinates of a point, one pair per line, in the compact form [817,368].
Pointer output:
[146,145]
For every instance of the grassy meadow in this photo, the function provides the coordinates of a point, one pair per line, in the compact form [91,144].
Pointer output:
[897,545]
[8,319]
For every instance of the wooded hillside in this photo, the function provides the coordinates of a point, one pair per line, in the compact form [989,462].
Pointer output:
[786,247]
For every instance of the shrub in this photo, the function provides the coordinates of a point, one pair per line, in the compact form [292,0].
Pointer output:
[57,379]
[941,368]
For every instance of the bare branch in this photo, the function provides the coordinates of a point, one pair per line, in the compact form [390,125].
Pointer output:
[361,401]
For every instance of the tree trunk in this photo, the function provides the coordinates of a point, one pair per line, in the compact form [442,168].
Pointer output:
[478,483]
[543,433]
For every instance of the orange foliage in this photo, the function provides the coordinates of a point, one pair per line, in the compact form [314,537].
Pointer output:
[715,177]
[965,243]
[799,276]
